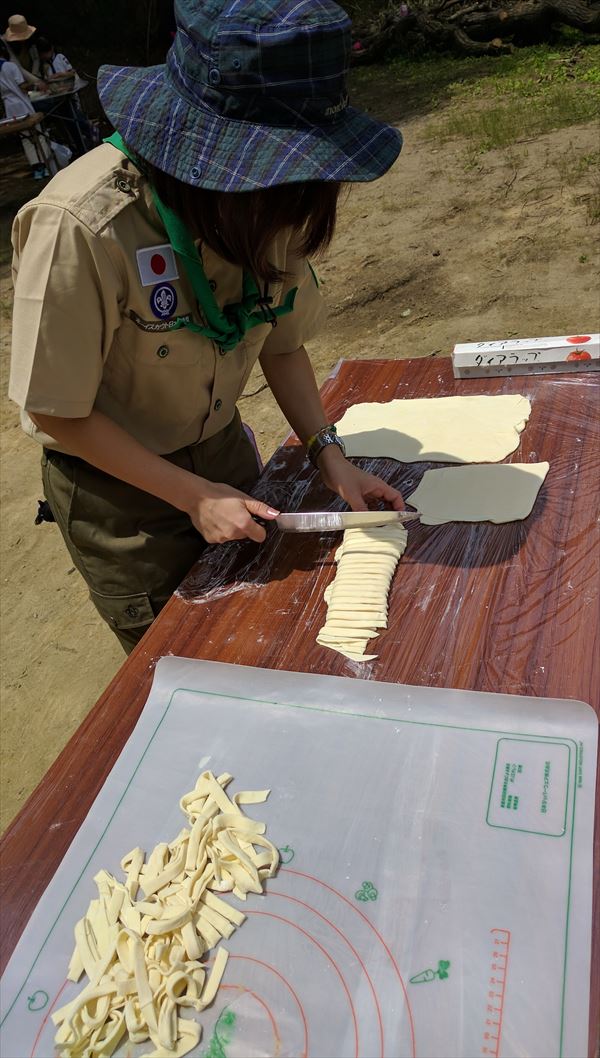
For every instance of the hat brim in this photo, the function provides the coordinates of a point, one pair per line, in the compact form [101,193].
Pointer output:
[204,149]
[14,38]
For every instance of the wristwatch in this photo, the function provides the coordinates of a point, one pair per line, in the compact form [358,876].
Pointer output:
[322,439]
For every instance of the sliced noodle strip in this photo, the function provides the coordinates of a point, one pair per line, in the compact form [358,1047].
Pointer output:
[357,597]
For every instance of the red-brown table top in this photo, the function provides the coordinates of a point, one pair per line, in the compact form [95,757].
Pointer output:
[506,608]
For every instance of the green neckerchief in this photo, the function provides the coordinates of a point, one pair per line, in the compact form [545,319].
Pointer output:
[226,327]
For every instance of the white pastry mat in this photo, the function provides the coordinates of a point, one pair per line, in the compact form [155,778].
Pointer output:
[435,897]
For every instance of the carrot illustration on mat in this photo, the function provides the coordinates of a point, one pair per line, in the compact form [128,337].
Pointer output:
[431,975]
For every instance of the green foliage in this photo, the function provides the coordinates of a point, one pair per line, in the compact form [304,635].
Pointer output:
[526,94]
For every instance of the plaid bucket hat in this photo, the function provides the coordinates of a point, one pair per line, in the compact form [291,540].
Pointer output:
[253,93]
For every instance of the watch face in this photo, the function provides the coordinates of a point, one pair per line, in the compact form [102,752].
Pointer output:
[324,440]
[333,439]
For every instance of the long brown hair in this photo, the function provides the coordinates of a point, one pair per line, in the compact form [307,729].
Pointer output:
[241,226]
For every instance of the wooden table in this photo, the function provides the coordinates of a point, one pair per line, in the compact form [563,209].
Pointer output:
[511,608]
[10,126]
[29,126]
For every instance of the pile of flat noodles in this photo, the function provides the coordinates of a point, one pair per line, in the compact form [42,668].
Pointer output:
[142,940]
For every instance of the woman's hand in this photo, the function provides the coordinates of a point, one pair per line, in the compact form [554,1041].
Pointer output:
[355,486]
[221,513]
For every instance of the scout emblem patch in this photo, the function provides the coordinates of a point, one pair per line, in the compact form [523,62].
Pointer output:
[163,301]
[156,264]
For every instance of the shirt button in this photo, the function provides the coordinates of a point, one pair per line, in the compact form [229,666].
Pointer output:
[162,351]
[222,352]
[124,186]
[132,611]
[212,285]
[218,405]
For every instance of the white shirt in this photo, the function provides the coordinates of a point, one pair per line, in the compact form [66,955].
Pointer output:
[59,64]
[16,103]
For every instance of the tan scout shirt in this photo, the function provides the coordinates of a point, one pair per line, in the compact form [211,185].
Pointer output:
[84,332]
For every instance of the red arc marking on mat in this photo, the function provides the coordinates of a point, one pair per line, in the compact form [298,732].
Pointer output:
[242,958]
[285,896]
[309,936]
[267,966]
[311,878]
[264,1005]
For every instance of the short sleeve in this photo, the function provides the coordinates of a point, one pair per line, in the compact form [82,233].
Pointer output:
[13,75]
[66,311]
[61,64]
[309,314]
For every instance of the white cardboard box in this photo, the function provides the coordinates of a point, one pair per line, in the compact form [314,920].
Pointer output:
[524,356]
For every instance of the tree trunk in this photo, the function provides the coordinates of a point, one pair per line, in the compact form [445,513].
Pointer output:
[530,19]
[475,27]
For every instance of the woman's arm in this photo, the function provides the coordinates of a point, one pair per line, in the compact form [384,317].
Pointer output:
[217,511]
[30,78]
[291,379]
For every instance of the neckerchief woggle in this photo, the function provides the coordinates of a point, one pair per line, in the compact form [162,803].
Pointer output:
[226,327]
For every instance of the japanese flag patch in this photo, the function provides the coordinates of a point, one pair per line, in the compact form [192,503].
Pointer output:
[156,264]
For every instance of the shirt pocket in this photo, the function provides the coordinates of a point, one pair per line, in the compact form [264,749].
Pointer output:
[143,347]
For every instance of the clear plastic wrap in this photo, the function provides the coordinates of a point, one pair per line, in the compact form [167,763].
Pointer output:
[510,607]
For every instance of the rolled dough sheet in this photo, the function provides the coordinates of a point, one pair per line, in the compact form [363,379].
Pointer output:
[504,493]
[438,429]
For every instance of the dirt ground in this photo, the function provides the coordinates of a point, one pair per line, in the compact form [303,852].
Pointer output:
[449,246]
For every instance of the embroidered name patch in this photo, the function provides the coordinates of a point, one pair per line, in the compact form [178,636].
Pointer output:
[159,326]
[157,264]
[163,301]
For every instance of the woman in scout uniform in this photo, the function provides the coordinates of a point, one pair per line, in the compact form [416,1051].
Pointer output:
[156,270]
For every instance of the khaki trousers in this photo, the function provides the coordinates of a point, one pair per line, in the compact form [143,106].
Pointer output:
[131,548]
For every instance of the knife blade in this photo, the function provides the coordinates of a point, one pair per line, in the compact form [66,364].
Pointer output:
[336,521]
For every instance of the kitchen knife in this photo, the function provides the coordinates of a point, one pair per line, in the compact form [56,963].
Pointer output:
[336,521]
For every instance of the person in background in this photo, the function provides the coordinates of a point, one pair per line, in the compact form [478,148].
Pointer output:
[17,104]
[51,61]
[22,51]
[54,64]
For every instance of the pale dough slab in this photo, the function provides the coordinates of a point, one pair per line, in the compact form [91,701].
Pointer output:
[504,493]
[476,429]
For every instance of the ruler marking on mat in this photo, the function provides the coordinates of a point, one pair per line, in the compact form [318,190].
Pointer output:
[492,1031]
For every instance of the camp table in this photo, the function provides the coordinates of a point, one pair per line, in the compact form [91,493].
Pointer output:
[497,608]
[61,106]
[29,127]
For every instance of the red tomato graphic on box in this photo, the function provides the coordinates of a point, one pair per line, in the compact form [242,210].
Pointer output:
[579,339]
[579,354]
